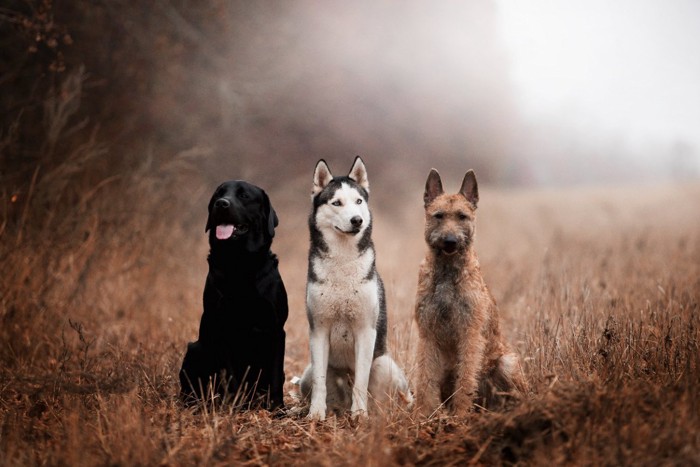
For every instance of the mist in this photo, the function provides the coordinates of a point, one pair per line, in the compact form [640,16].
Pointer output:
[543,94]
[611,82]
[406,85]
[531,94]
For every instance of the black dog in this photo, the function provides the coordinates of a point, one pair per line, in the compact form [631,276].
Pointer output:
[241,334]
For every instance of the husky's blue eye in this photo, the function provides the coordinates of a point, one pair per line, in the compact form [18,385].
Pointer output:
[337,203]
[359,201]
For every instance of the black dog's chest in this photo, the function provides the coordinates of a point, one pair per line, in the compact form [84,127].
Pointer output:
[238,306]
[248,312]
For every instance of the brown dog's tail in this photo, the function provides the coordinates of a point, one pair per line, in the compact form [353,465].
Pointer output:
[502,383]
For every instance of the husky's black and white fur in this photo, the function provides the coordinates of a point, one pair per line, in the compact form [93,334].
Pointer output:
[345,302]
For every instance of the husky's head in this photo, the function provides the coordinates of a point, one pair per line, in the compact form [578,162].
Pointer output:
[340,203]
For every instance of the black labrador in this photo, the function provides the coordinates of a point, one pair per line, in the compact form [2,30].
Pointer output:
[240,349]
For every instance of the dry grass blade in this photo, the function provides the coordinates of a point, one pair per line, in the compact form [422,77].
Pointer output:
[103,265]
[608,332]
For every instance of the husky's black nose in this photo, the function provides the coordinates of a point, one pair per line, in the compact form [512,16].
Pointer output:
[356,221]
[222,203]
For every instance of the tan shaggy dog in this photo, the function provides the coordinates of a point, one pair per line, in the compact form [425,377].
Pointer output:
[462,357]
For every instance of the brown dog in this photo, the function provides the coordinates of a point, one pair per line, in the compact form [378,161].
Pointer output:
[461,354]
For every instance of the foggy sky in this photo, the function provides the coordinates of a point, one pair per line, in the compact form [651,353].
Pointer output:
[627,70]
[529,93]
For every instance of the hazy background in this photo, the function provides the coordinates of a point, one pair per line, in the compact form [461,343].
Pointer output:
[119,117]
[526,93]
[613,79]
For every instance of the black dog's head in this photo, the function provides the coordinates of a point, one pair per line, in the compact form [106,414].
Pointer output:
[241,214]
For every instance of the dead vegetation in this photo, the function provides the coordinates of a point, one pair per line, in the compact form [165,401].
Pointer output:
[103,263]
[599,290]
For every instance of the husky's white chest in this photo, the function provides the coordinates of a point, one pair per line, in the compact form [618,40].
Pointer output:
[345,290]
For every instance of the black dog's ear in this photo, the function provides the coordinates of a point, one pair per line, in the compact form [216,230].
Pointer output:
[433,187]
[209,208]
[272,220]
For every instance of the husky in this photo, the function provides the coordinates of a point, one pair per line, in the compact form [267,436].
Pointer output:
[345,302]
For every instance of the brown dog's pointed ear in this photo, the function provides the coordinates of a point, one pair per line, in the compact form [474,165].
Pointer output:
[433,187]
[469,189]
[358,172]
[322,177]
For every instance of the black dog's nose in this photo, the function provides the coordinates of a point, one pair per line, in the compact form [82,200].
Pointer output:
[222,203]
[356,221]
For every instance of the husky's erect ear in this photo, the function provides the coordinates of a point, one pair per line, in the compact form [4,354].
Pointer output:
[469,189]
[433,187]
[322,177]
[358,172]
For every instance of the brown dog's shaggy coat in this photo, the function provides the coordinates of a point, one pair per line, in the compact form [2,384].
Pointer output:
[462,357]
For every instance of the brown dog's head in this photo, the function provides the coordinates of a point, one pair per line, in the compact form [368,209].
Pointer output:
[450,219]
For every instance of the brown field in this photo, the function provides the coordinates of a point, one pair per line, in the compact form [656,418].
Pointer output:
[599,290]
[118,119]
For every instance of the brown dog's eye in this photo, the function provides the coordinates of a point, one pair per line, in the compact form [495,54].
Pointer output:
[438,215]
[463,217]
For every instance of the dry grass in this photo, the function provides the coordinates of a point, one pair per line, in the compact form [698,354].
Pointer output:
[599,291]
[103,263]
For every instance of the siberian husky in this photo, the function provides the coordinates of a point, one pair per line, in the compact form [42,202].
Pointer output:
[345,302]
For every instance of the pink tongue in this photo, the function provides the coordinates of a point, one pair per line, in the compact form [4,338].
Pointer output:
[224,231]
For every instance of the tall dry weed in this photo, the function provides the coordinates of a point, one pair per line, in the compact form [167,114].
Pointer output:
[607,327]
[103,261]
[102,281]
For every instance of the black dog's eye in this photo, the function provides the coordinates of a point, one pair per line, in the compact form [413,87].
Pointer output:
[243,195]
[359,201]
[337,203]
[438,215]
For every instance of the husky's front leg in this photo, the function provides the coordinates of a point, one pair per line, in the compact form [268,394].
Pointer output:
[319,347]
[364,351]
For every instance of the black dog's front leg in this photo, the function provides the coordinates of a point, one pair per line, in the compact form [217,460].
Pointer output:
[277,377]
[280,313]
[197,369]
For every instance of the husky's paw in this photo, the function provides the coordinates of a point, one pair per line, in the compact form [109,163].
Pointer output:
[358,410]
[407,399]
[359,415]
[317,413]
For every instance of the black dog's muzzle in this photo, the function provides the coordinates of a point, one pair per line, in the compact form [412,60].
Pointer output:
[226,222]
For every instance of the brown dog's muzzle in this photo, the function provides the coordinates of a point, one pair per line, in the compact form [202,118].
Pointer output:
[448,244]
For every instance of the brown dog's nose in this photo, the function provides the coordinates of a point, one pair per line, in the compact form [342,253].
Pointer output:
[356,221]
[449,243]
[222,203]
